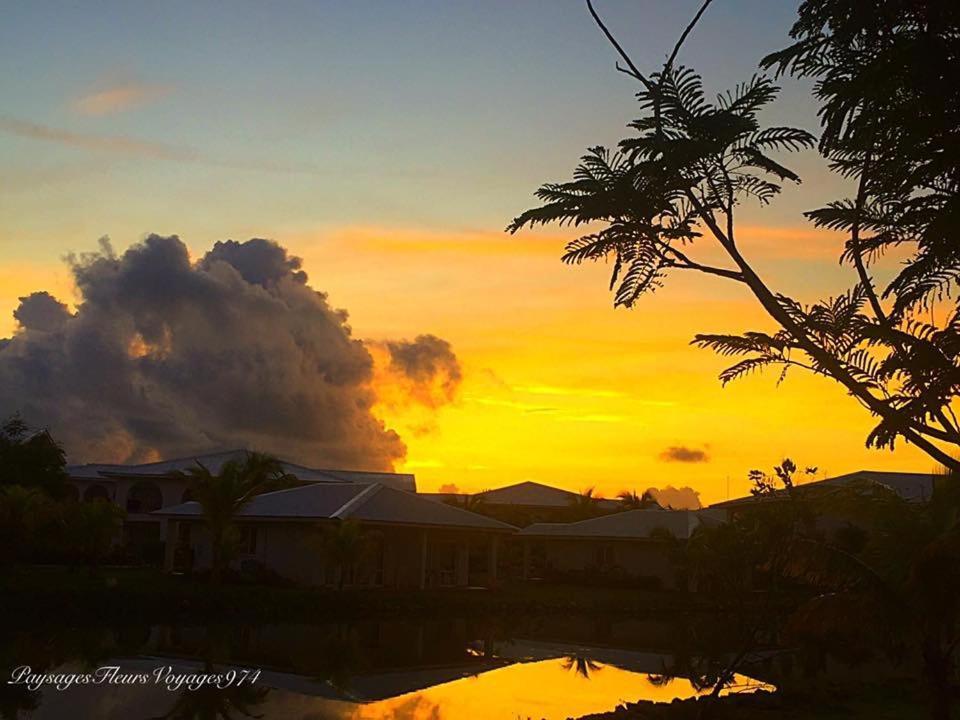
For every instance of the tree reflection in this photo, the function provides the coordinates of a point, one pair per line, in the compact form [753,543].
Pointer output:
[212,703]
[581,665]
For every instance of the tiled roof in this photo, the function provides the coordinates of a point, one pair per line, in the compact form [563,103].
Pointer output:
[371,502]
[636,524]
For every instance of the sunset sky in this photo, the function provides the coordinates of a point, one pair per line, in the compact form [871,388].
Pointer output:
[388,144]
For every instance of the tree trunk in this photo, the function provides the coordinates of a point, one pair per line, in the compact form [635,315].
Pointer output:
[216,560]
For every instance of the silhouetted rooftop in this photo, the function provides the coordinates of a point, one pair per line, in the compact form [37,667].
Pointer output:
[528,493]
[631,524]
[911,486]
[371,502]
[214,462]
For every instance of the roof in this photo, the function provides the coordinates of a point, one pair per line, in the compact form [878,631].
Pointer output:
[216,460]
[631,524]
[911,486]
[372,502]
[533,494]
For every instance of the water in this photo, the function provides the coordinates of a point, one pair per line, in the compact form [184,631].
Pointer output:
[414,670]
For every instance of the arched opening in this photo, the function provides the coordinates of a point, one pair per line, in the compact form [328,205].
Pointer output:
[96,492]
[144,496]
[187,495]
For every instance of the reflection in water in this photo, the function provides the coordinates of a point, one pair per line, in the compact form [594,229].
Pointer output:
[539,689]
[211,703]
[437,670]
[581,664]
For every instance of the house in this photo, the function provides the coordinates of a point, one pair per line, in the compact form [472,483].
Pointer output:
[141,489]
[911,486]
[524,503]
[631,546]
[409,541]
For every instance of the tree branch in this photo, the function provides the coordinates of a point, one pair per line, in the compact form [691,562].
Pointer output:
[634,71]
[683,36]
[836,369]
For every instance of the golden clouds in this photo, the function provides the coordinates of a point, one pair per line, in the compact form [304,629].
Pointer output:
[119,98]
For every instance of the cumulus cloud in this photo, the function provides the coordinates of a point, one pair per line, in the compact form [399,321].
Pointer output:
[683,498]
[682,453]
[41,311]
[165,356]
[429,365]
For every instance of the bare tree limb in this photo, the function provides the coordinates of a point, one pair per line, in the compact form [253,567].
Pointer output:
[634,71]
[676,48]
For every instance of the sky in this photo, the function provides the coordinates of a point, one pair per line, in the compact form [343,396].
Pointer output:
[388,145]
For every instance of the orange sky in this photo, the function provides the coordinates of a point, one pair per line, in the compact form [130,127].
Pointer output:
[561,388]
[558,386]
[389,149]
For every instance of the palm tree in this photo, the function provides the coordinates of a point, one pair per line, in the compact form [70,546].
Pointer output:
[585,504]
[581,665]
[473,503]
[631,501]
[344,544]
[222,495]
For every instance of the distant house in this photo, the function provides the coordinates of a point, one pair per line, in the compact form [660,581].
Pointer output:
[410,541]
[912,487]
[635,545]
[141,489]
[524,503]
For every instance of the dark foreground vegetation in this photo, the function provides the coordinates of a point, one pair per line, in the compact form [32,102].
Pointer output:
[883,575]
[147,595]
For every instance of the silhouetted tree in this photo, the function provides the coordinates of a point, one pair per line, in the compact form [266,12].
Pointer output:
[222,495]
[677,183]
[89,530]
[582,665]
[784,473]
[631,501]
[345,545]
[584,505]
[896,586]
[30,458]
[25,514]
[474,503]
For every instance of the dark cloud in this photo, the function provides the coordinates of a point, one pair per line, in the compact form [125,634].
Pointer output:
[429,364]
[261,262]
[684,498]
[449,488]
[41,311]
[682,453]
[165,356]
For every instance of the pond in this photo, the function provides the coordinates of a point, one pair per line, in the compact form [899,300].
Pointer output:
[436,670]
